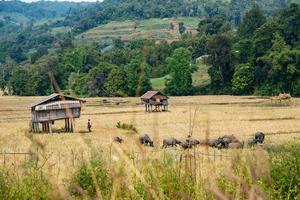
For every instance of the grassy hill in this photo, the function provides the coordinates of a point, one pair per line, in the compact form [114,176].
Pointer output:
[200,78]
[158,29]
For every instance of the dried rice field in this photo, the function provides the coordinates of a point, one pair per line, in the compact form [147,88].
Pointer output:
[202,115]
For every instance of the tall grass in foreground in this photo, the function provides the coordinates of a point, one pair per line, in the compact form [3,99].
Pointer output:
[28,184]
[249,174]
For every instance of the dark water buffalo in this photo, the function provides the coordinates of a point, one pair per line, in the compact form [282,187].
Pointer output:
[186,145]
[118,139]
[170,142]
[224,141]
[259,137]
[192,141]
[210,142]
[236,145]
[145,140]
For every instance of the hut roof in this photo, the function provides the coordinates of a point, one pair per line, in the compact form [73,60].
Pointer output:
[150,94]
[58,105]
[56,97]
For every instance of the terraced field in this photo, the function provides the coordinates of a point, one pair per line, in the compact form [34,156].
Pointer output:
[158,29]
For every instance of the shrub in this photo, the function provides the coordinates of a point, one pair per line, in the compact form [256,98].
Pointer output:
[90,176]
[125,126]
[285,171]
[32,184]
[267,90]
[296,88]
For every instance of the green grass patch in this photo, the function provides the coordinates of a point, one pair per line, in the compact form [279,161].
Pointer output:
[154,24]
[159,83]
[200,78]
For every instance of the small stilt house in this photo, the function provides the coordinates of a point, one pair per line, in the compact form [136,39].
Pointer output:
[52,108]
[155,101]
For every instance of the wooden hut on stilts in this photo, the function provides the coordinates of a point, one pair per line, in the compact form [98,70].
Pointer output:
[55,107]
[155,101]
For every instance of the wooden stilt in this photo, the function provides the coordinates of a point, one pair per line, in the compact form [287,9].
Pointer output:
[65,125]
[72,127]
[46,127]
[68,125]
[50,127]
[32,127]
[38,127]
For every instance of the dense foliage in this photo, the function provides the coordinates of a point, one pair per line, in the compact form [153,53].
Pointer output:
[251,49]
[285,172]
[29,26]
[39,9]
[135,9]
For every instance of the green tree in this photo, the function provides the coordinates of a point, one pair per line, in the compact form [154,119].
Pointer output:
[81,59]
[264,35]
[45,74]
[220,59]
[5,72]
[290,24]
[19,82]
[198,45]
[244,51]
[132,71]
[98,76]
[144,84]
[217,24]
[282,66]
[34,57]
[116,83]
[243,80]
[118,43]
[180,65]
[252,20]
[79,84]
[296,88]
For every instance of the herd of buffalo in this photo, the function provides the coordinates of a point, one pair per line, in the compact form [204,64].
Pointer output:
[226,141]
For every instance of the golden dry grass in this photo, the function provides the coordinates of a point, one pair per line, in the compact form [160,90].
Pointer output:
[241,116]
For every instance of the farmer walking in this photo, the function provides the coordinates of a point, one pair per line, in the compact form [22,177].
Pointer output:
[89,125]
